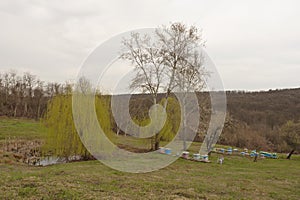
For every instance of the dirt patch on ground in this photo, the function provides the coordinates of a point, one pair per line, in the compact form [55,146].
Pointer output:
[132,149]
[23,151]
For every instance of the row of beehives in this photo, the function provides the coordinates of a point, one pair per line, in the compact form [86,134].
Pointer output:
[184,154]
[253,153]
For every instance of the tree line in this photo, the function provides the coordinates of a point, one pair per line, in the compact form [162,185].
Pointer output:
[25,95]
[266,120]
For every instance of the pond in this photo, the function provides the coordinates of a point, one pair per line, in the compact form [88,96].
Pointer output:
[52,160]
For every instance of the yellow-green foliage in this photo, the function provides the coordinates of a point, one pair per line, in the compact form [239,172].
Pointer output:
[104,114]
[61,134]
[62,138]
[173,120]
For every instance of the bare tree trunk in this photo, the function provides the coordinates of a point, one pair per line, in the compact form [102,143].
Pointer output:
[184,125]
[184,130]
[290,154]
[15,110]
[157,140]
[255,157]
[25,109]
[126,130]
[156,147]
[38,110]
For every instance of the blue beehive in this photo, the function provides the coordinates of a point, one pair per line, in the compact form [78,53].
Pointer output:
[168,151]
[229,150]
[204,157]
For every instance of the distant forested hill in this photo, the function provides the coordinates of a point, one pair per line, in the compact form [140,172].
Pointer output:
[259,120]
[267,120]
[270,109]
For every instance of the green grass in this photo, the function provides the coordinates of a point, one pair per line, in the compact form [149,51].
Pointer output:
[237,178]
[20,129]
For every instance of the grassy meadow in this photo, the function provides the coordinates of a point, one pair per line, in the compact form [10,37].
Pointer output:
[20,129]
[237,178]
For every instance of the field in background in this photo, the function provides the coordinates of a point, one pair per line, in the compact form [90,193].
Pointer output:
[20,129]
[237,178]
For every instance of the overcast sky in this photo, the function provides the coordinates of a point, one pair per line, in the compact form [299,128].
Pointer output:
[255,44]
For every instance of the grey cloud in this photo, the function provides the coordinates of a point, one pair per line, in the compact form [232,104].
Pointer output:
[52,38]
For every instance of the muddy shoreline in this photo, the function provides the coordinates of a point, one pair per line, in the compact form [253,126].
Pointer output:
[22,151]
[29,152]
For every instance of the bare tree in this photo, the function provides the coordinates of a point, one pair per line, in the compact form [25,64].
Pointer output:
[29,81]
[17,92]
[38,95]
[1,92]
[148,61]
[190,77]
[165,62]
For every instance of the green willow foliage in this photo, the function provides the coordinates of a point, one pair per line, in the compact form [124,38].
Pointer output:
[62,137]
[173,120]
[171,125]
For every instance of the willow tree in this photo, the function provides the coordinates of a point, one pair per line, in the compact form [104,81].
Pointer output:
[159,59]
[173,120]
[171,125]
[63,140]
